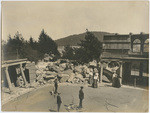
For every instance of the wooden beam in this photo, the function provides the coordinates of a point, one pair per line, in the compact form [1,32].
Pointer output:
[99,71]
[23,75]
[17,63]
[18,60]
[8,79]
[101,75]
[121,65]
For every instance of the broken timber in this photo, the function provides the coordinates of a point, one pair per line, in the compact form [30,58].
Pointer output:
[6,64]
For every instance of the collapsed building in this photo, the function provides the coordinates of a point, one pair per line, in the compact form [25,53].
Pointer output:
[130,53]
[17,73]
[126,55]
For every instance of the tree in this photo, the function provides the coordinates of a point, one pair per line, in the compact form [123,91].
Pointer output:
[90,49]
[68,53]
[46,44]
[13,47]
[33,43]
[30,53]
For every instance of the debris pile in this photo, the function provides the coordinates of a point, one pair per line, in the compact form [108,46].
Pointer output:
[64,70]
[20,81]
[73,108]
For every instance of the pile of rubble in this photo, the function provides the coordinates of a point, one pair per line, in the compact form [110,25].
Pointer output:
[71,107]
[64,70]
[74,108]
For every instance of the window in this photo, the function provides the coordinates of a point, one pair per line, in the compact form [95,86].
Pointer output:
[136,45]
[135,67]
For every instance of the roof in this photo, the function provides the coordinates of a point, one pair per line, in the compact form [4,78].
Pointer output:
[126,34]
[122,37]
[125,58]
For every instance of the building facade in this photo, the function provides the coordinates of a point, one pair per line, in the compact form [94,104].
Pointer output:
[131,51]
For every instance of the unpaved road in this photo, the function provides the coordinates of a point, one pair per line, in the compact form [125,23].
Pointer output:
[102,99]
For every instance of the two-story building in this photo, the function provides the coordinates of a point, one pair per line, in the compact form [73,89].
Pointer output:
[131,52]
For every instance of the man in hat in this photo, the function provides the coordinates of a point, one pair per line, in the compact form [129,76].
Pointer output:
[81,96]
[58,102]
[56,85]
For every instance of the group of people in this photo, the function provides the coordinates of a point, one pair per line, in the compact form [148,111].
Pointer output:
[59,101]
[93,77]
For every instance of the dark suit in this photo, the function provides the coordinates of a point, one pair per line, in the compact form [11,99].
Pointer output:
[81,97]
[56,86]
[58,102]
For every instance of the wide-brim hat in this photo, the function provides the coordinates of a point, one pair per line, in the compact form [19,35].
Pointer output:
[81,87]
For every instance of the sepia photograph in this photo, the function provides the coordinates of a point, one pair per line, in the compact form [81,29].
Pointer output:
[75,56]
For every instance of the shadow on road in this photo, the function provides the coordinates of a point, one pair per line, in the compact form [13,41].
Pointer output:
[106,85]
[51,110]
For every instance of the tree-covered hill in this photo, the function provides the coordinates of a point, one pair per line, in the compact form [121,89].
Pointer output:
[73,40]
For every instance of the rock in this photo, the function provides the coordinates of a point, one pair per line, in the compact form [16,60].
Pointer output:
[48,72]
[72,75]
[77,80]
[42,65]
[64,77]
[38,72]
[61,69]
[87,75]
[63,65]
[40,78]
[78,69]
[46,59]
[93,63]
[50,64]
[79,76]
[53,68]
[33,84]
[49,77]
[88,70]
[51,73]
[46,69]
[20,82]
[51,81]
[69,71]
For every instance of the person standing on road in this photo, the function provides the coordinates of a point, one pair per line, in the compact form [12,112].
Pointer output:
[81,96]
[95,80]
[91,76]
[58,102]
[116,81]
[56,85]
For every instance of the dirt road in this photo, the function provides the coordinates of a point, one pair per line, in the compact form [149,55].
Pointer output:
[102,99]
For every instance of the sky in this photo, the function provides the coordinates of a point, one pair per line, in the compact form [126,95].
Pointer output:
[60,19]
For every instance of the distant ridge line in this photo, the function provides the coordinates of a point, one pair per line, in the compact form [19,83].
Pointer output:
[73,40]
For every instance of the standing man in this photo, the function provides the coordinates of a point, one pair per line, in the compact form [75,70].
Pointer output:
[95,80]
[91,76]
[81,96]
[56,85]
[58,102]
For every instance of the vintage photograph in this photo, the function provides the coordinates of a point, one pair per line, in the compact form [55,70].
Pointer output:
[75,56]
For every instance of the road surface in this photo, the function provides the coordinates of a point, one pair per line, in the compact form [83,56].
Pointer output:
[101,99]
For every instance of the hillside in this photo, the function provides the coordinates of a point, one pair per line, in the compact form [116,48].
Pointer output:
[73,40]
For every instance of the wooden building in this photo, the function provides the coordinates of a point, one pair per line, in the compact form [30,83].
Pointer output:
[131,51]
[12,70]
